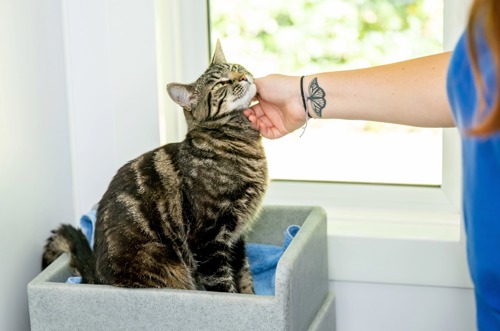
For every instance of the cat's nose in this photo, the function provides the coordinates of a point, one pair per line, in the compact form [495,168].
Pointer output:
[238,77]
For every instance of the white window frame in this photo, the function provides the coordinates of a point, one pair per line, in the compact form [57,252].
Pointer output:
[377,233]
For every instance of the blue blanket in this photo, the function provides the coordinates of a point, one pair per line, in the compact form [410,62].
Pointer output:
[263,258]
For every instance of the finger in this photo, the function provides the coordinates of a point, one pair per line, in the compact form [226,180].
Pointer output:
[248,112]
[257,110]
[266,121]
[254,122]
[264,131]
[270,132]
[256,81]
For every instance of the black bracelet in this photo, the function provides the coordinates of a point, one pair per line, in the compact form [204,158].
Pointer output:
[302,94]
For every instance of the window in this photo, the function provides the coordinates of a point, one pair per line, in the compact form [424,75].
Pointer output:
[312,36]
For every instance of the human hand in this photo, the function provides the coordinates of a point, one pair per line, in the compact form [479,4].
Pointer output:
[279,110]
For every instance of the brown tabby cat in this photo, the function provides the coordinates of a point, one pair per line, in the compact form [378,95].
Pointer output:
[176,217]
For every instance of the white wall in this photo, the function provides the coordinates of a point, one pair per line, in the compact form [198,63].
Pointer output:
[390,307]
[78,98]
[35,171]
[74,76]
[110,54]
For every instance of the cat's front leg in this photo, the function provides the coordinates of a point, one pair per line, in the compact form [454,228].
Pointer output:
[241,268]
[214,270]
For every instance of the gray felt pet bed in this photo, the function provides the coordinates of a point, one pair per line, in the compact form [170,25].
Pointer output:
[302,300]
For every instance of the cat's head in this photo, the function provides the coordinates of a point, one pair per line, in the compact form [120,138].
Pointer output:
[223,88]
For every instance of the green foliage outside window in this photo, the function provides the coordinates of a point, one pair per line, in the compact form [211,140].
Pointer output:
[294,36]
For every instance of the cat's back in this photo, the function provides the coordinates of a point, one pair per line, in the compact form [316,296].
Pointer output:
[146,176]
[142,200]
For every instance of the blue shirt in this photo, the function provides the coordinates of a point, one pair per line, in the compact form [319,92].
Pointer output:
[481,178]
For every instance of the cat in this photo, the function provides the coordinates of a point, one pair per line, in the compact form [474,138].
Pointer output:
[177,216]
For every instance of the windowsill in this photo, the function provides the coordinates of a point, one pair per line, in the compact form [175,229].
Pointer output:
[394,224]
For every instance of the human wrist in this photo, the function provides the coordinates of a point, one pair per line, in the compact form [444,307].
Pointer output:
[295,104]
[304,98]
[313,96]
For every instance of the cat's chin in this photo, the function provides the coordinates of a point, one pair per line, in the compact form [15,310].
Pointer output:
[246,100]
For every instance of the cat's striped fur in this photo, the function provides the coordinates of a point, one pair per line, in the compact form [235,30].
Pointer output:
[177,216]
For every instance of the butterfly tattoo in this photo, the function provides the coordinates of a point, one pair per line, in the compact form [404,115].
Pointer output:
[317,97]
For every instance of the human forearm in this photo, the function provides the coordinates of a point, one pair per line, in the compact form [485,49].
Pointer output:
[411,92]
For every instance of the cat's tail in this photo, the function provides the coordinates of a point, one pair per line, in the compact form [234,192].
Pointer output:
[67,239]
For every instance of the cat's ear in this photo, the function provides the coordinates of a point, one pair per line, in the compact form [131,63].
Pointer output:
[182,94]
[219,57]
